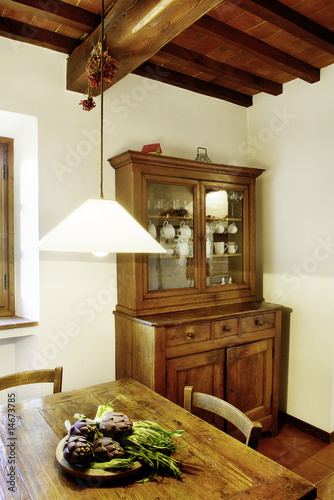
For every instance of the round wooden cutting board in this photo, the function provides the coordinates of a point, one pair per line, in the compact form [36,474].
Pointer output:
[94,474]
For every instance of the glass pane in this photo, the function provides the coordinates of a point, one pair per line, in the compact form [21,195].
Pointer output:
[170,221]
[224,238]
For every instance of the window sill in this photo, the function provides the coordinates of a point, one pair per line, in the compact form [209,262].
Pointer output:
[13,322]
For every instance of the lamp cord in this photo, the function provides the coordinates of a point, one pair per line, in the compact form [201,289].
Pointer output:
[101,124]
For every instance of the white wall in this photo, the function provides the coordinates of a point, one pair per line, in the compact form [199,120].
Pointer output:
[78,292]
[291,136]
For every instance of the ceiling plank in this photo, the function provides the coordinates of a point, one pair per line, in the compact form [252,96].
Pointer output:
[36,36]
[202,63]
[186,82]
[56,11]
[271,55]
[291,21]
[134,31]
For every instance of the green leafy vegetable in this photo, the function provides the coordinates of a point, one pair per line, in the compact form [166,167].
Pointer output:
[146,442]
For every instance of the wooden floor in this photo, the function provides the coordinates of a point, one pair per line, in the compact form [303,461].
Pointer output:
[306,455]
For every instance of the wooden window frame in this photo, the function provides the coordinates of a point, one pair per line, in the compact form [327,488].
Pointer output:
[7,283]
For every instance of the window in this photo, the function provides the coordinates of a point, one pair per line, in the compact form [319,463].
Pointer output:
[7,292]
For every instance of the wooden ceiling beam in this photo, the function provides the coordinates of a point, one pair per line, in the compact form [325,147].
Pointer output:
[291,21]
[170,77]
[204,64]
[36,36]
[134,31]
[259,49]
[56,11]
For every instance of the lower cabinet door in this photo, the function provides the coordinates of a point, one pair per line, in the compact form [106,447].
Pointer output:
[249,376]
[204,371]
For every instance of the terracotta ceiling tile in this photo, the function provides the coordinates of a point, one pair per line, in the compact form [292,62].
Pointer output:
[263,31]
[296,47]
[310,7]
[267,71]
[207,45]
[224,53]
[224,81]
[279,39]
[325,17]
[226,12]
[241,59]
[254,65]
[246,21]
[17,16]
[316,57]
[188,38]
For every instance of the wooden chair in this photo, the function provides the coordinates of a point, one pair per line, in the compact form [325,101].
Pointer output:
[34,377]
[251,430]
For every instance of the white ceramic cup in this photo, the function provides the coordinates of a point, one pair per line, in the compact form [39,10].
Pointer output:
[219,228]
[167,231]
[184,231]
[232,247]
[220,247]
[232,228]
[152,229]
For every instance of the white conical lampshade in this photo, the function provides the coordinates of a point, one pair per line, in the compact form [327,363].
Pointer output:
[100,226]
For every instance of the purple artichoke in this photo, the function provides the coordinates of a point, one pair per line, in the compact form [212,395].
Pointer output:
[84,428]
[78,450]
[113,424]
[105,449]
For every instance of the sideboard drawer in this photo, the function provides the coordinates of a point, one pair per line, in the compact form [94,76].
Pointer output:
[258,322]
[226,328]
[183,334]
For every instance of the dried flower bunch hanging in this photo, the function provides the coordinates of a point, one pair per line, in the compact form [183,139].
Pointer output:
[93,72]
[88,104]
[93,67]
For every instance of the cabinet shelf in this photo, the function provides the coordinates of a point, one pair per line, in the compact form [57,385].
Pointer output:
[170,217]
[218,219]
[168,256]
[215,255]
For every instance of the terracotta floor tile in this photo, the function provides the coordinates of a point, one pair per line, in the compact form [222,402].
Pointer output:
[326,488]
[326,456]
[273,448]
[312,470]
[292,459]
[313,447]
[293,437]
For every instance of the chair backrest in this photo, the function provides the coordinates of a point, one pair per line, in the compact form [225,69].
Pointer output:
[251,430]
[34,377]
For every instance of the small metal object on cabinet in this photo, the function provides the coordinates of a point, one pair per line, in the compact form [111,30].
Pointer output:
[202,156]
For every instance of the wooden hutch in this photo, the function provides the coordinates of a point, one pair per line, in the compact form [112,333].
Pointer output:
[191,316]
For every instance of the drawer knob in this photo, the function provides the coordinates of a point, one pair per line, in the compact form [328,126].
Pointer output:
[227,328]
[190,335]
[258,322]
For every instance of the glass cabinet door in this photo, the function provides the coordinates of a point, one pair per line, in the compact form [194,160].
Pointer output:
[224,235]
[170,220]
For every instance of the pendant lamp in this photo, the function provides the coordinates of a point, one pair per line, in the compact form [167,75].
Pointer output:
[100,226]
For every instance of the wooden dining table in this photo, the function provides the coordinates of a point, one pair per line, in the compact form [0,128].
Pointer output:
[214,465]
